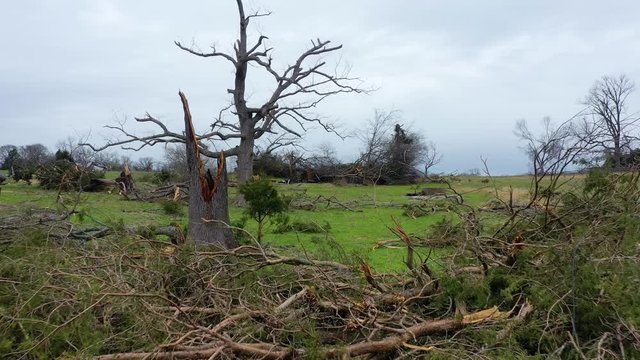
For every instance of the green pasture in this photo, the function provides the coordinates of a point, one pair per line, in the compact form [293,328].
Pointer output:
[353,232]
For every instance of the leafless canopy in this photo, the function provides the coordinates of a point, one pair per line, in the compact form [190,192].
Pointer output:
[432,157]
[555,149]
[375,140]
[609,117]
[392,153]
[297,90]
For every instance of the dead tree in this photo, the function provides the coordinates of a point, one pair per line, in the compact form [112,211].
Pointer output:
[375,140]
[551,153]
[432,157]
[607,106]
[298,89]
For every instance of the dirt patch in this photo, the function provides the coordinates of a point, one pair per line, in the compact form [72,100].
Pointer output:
[519,195]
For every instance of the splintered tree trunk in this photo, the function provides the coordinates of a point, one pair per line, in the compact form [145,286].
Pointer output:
[208,197]
[209,221]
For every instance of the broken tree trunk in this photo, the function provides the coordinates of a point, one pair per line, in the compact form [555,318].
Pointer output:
[208,198]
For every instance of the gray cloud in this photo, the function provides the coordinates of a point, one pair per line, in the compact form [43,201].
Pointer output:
[461,72]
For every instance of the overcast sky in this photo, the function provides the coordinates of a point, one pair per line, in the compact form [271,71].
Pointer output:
[461,72]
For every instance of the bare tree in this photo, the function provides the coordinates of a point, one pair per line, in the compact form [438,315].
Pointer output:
[374,140]
[323,162]
[555,150]
[144,164]
[297,91]
[431,156]
[607,107]
[392,153]
[34,154]
[299,88]
[551,153]
[175,159]
[125,161]
[293,158]
[86,157]
[326,155]
[106,160]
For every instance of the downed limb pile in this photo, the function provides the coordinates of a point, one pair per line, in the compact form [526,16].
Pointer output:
[58,227]
[323,302]
[253,303]
[247,302]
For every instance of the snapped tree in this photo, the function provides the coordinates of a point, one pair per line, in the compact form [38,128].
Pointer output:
[208,198]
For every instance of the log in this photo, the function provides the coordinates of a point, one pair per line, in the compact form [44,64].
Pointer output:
[395,342]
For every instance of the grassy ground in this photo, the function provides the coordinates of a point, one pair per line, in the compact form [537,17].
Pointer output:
[352,234]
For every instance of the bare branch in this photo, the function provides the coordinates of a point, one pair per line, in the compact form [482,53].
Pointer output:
[213,53]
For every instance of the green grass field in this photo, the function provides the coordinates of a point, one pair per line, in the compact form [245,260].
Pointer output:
[352,235]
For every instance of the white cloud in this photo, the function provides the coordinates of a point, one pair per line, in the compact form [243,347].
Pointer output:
[103,15]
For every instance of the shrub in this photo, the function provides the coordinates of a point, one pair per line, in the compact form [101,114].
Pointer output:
[163,177]
[21,171]
[172,207]
[239,233]
[263,201]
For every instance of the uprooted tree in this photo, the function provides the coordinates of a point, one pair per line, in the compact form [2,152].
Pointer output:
[297,91]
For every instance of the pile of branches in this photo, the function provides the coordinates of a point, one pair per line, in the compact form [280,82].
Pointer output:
[300,200]
[166,302]
[60,229]
[304,202]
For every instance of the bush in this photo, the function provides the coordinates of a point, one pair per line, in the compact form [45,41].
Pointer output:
[172,207]
[263,201]
[22,172]
[164,177]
